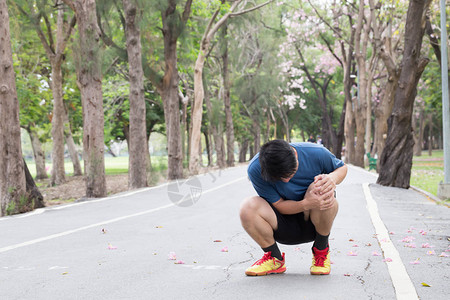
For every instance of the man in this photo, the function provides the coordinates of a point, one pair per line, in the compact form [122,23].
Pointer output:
[295,204]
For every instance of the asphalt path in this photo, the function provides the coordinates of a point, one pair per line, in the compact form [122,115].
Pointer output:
[119,247]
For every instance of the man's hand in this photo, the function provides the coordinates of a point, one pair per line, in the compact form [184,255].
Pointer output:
[324,183]
[314,200]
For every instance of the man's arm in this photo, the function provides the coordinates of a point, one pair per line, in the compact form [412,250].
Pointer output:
[320,194]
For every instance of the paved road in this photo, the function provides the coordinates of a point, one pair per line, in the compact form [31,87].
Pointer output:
[117,247]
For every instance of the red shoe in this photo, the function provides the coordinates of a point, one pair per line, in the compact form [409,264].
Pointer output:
[266,265]
[320,262]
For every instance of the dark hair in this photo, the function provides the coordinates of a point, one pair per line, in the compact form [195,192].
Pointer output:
[277,159]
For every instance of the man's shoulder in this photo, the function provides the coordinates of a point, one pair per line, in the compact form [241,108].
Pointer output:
[253,166]
[307,146]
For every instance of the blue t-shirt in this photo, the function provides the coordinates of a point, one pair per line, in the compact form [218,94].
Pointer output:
[313,160]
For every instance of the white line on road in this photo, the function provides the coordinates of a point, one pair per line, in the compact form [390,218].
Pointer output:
[64,233]
[404,288]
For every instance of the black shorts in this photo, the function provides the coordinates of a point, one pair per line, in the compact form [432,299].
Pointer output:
[293,229]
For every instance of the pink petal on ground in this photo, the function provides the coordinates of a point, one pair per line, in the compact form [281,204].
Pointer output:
[443,254]
[416,262]
[351,253]
[391,232]
[384,240]
[412,245]
[431,252]
[375,253]
[355,245]
[297,249]
[179,262]
[346,274]
[422,232]
[217,241]
[111,247]
[408,239]
[224,249]
[387,259]
[172,256]
[426,245]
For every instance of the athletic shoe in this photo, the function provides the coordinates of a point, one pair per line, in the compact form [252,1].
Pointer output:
[266,265]
[320,262]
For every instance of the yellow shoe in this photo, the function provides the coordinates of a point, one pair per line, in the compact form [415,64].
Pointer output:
[266,265]
[321,262]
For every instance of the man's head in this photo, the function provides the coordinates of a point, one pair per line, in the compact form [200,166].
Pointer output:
[278,161]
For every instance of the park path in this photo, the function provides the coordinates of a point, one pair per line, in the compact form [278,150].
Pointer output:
[118,247]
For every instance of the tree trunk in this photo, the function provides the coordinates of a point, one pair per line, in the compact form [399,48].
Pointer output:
[72,150]
[430,134]
[58,172]
[35,196]
[226,98]
[12,175]
[396,159]
[169,94]
[138,151]
[243,151]
[257,132]
[38,153]
[382,112]
[89,76]
[208,148]
[216,132]
[418,133]
[349,133]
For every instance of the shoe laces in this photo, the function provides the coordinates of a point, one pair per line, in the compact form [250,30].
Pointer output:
[320,256]
[266,257]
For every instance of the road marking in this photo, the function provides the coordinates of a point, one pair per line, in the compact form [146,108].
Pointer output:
[64,233]
[404,288]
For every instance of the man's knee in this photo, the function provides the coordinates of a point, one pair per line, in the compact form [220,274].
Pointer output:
[249,208]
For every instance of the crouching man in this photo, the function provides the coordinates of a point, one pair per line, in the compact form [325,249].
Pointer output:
[296,203]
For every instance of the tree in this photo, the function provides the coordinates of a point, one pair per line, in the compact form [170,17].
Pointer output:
[210,31]
[138,150]
[55,54]
[89,77]
[12,174]
[396,158]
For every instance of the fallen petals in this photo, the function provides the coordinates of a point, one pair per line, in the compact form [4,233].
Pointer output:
[158,227]
[179,262]
[422,232]
[217,241]
[297,249]
[355,245]
[224,249]
[443,254]
[431,252]
[387,259]
[172,256]
[375,253]
[103,230]
[426,245]
[416,262]
[368,244]
[384,240]
[391,232]
[65,273]
[425,284]
[412,245]
[351,253]
[351,240]
[408,239]
[111,247]
[346,274]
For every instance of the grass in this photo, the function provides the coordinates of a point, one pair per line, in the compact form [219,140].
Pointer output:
[113,165]
[427,171]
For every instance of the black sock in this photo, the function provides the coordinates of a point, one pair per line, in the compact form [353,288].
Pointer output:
[321,241]
[275,251]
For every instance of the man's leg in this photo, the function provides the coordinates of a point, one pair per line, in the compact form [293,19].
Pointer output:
[323,221]
[259,220]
